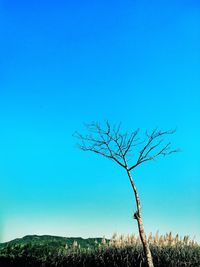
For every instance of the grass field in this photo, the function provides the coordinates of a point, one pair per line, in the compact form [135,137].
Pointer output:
[120,251]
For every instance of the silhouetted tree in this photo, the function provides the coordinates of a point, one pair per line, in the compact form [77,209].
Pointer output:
[120,147]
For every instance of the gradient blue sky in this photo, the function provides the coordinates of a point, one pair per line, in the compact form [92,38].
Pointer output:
[63,63]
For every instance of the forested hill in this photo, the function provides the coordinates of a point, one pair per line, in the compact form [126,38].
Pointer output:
[51,241]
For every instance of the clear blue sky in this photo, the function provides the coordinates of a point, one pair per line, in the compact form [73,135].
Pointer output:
[63,63]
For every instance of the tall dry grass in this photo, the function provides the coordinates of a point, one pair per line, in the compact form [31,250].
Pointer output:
[168,239]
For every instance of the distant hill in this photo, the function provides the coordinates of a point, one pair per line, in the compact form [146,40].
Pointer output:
[51,241]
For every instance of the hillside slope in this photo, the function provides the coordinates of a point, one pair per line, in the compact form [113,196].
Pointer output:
[51,241]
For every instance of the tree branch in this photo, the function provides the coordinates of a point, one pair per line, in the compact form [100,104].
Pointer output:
[111,143]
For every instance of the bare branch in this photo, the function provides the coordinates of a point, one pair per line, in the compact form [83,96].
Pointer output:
[152,150]
[111,143]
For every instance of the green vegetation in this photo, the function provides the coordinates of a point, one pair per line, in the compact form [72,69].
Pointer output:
[50,251]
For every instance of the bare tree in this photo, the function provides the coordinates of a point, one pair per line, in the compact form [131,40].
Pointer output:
[124,148]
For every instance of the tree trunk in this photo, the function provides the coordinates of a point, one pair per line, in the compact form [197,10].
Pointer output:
[138,217]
